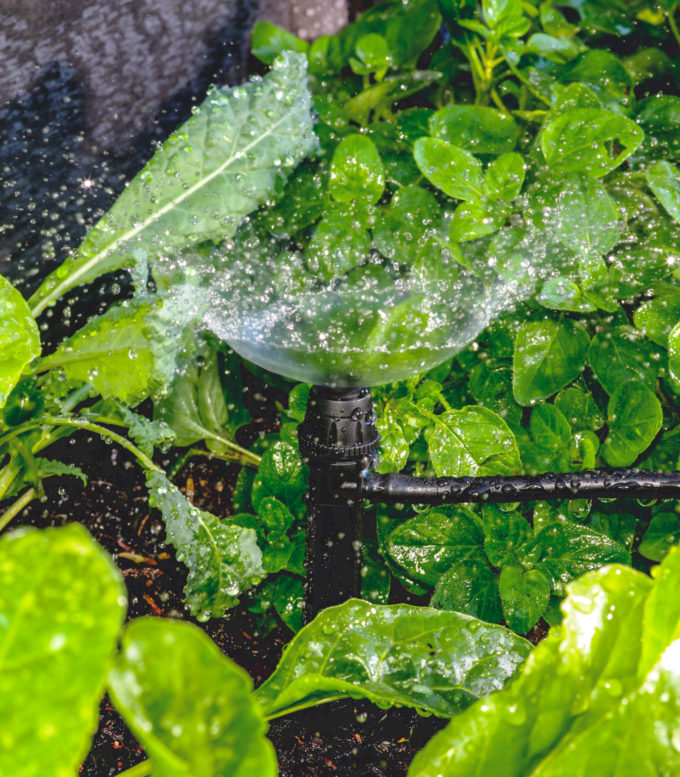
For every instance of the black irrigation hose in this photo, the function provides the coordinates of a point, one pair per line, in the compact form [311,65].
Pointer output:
[593,484]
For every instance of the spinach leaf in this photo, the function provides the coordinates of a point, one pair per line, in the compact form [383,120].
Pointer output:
[664,181]
[213,171]
[356,171]
[548,355]
[190,707]
[449,168]
[223,559]
[606,671]
[370,651]
[621,355]
[475,128]
[62,603]
[19,337]
[635,417]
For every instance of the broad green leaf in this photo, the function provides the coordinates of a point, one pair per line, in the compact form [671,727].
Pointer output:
[471,220]
[19,337]
[657,317]
[130,351]
[372,56]
[473,441]
[589,140]
[223,559]
[504,177]
[548,355]
[269,41]
[401,230]
[585,218]
[674,354]
[564,294]
[558,50]
[600,69]
[659,117]
[508,538]
[191,708]
[196,408]
[660,536]
[525,595]
[470,587]
[623,355]
[635,417]
[449,168]
[427,545]
[62,603]
[569,550]
[214,170]
[356,171]
[375,574]
[505,17]
[369,651]
[475,128]
[338,245]
[577,698]
[283,475]
[549,428]
[664,180]
[580,409]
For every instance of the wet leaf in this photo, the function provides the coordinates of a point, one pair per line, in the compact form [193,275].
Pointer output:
[656,317]
[368,651]
[470,587]
[580,409]
[283,475]
[664,181]
[223,559]
[661,535]
[269,41]
[635,417]
[427,545]
[62,603]
[191,708]
[475,128]
[525,594]
[449,168]
[356,171]
[473,441]
[19,337]
[548,356]
[589,140]
[621,355]
[214,170]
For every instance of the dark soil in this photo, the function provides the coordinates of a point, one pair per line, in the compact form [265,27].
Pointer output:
[338,739]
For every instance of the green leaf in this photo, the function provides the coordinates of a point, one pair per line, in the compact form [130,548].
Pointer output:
[427,545]
[375,574]
[283,475]
[659,117]
[130,351]
[19,337]
[370,651]
[508,538]
[504,177]
[580,409]
[473,441]
[664,180]
[197,408]
[602,70]
[402,230]
[564,294]
[62,603]
[589,140]
[660,536]
[338,245]
[525,595]
[475,128]
[214,170]
[558,50]
[357,171]
[223,560]
[656,317]
[449,168]
[471,220]
[269,41]
[569,550]
[586,219]
[635,417]
[579,696]
[623,355]
[674,354]
[549,428]
[372,56]
[470,587]
[191,708]
[548,355]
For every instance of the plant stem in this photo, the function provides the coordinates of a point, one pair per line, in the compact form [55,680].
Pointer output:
[141,770]
[527,83]
[674,26]
[253,460]
[78,423]
[16,507]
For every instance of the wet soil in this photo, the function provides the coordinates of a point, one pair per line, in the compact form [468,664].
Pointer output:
[338,739]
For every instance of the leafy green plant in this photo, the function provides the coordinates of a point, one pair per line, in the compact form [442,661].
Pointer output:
[193,709]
